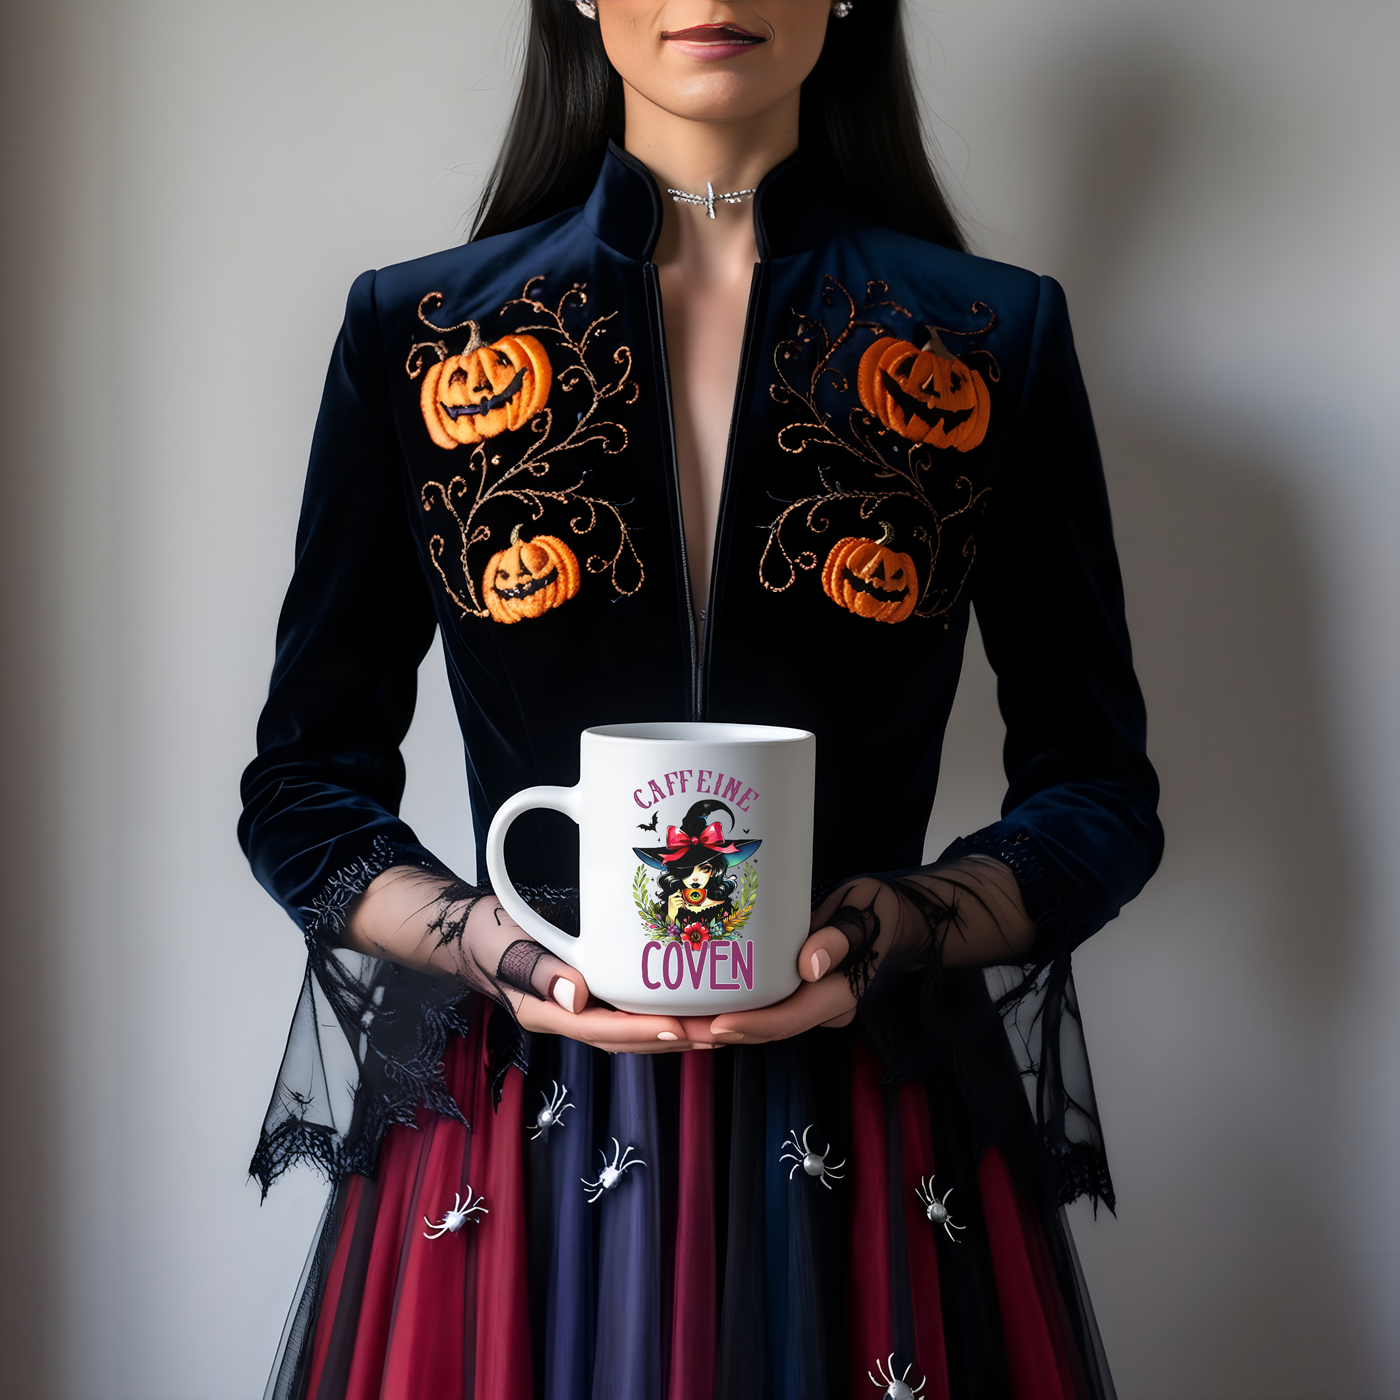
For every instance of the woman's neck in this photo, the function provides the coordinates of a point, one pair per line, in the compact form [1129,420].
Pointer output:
[687,155]
[706,267]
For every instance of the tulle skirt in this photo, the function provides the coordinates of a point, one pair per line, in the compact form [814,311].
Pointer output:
[718,1267]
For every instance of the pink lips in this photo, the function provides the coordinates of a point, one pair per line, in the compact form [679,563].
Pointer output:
[711,42]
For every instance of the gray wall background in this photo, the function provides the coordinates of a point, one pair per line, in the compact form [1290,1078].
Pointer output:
[189,189]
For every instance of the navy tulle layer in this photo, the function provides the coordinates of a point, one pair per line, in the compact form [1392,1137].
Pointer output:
[721,1269]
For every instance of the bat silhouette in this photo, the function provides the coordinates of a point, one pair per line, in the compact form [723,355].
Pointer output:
[649,826]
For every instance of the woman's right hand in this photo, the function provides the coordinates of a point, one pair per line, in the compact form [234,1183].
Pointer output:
[425,921]
[558,1002]
[617,1032]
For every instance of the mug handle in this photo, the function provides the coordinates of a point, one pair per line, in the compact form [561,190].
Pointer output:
[555,799]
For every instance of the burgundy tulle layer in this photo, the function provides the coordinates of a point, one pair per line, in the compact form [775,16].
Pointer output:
[717,1269]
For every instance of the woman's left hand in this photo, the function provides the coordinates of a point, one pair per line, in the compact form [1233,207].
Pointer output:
[986,922]
[825,997]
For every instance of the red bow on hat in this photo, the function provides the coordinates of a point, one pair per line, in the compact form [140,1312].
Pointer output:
[712,839]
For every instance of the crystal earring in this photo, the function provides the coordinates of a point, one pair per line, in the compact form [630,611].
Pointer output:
[589,10]
[842,8]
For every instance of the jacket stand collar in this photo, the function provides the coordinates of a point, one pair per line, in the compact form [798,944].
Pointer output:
[625,208]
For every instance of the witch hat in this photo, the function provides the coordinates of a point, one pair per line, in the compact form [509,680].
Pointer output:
[694,841]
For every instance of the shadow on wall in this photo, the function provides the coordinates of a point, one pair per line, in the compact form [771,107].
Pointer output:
[29,869]
[1223,593]
[1222,582]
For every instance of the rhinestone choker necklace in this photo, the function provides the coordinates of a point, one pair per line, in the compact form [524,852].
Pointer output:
[709,199]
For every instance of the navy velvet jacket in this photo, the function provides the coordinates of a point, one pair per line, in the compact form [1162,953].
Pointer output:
[910,439]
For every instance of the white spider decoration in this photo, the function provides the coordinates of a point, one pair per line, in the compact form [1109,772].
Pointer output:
[552,1114]
[937,1210]
[461,1212]
[896,1387]
[813,1163]
[611,1175]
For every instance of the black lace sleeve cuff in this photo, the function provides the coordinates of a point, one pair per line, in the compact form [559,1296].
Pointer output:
[1059,926]
[324,919]
[396,1023]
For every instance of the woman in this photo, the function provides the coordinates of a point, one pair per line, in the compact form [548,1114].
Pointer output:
[529,442]
[694,889]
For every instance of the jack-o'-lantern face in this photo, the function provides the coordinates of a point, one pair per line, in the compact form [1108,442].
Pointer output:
[529,577]
[486,390]
[870,579]
[926,395]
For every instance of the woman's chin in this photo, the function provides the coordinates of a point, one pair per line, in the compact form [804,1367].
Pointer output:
[711,92]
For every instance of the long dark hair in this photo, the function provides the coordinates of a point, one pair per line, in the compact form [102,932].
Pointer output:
[861,134]
[720,886]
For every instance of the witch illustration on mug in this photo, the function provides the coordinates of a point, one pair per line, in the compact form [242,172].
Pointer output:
[695,898]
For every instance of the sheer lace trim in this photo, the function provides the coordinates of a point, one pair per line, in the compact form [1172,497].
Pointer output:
[395,1024]
[1059,927]
[1081,1171]
[517,967]
[324,920]
[862,930]
[926,1019]
[919,923]
[1039,1012]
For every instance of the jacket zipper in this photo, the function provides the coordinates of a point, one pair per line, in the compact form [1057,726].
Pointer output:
[697,663]
[745,355]
[658,330]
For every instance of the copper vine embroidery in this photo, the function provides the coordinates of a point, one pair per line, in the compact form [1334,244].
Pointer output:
[886,466]
[520,460]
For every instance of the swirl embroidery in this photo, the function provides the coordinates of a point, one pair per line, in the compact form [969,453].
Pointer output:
[480,398]
[930,399]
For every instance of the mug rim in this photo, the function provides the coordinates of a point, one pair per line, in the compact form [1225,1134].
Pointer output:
[696,732]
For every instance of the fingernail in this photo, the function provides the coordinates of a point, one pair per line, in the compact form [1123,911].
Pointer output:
[666,1035]
[821,960]
[730,1035]
[565,992]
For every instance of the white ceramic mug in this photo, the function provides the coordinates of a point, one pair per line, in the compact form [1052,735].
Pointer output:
[695,864]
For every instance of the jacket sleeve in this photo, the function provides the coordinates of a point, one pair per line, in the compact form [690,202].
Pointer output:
[1079,824]
[320,801]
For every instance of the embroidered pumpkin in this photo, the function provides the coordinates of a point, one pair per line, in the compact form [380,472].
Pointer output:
[926,395]
[870,579]
[529,577]
[486,390]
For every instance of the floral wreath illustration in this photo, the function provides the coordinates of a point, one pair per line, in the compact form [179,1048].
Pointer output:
[696,900]
[485,391]
[926,397]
